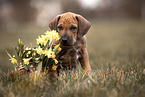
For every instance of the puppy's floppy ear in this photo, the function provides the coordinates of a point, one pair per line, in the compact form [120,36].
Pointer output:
[83,26]
[54,22]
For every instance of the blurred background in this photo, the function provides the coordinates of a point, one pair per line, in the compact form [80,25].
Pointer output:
[41,12]
[115,25]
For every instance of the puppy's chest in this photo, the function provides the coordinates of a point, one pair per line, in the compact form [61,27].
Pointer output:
[69,58]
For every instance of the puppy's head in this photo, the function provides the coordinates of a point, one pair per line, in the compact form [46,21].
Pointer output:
[70,27]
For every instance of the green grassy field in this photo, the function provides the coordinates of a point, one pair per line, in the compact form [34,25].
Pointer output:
[117,57]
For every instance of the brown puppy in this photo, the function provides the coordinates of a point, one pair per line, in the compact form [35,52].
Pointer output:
[72,29]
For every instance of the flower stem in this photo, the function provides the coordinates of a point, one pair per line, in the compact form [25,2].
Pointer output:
[8,54]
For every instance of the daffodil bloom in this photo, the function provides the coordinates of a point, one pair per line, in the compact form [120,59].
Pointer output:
[53,35]
[29,52]
[56,37]
[34,54]
[40,40]
[56,62]
[59,49]
[53,55]
[56,47]
[36,59]
[13,60]
[20,42]
[39,50]
[27,48]
[48,53]
[54,68]
[26,61]
[49,35]
[43,39]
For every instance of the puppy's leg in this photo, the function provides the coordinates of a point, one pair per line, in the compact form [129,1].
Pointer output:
[84,60]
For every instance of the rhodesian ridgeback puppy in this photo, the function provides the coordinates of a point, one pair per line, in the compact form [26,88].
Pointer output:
[72,29]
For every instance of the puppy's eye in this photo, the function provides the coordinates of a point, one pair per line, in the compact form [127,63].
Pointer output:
[73,28]
[60,28]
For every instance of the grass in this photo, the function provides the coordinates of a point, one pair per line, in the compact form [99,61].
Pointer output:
[117,58]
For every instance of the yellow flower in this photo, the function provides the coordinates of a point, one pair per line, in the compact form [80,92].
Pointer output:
[52,35]
[53,55]
[55,35]
[36,59]
[29,52]
[39,40]
[13,60]
[42,40]
[47,33]
[20,42]
[45,40]
[48,53]
[27,48]
[56,62]
[57,47]
[54,68]
[26,61]
[39,50]
[34,54]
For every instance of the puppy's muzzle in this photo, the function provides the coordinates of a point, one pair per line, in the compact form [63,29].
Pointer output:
[65,40]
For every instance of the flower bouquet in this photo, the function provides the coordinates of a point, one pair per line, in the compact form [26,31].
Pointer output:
[38,58]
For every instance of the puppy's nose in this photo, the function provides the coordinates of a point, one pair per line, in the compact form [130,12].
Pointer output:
[65,40]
